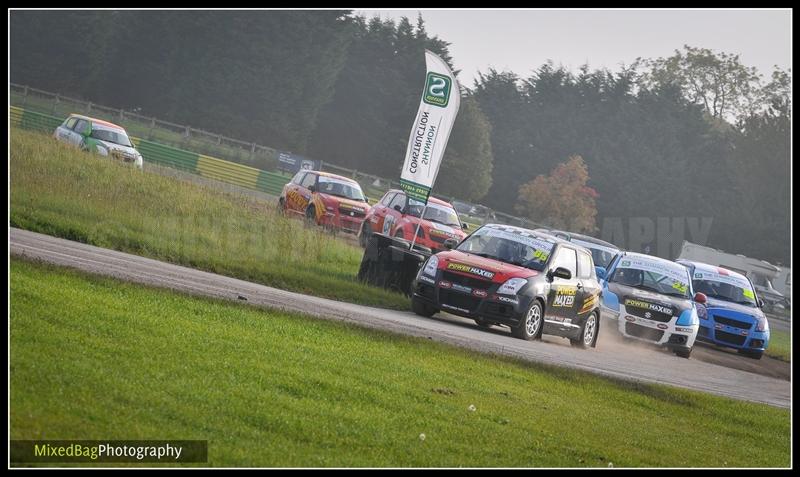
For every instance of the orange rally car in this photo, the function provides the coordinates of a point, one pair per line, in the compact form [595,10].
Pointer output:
[327,199]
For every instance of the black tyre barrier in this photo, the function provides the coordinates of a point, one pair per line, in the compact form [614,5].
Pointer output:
[388,263]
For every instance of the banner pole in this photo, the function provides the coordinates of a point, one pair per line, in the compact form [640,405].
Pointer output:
[421,217]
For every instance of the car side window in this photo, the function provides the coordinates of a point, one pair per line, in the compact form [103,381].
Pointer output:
[70,123]
[80,126]
[585,268]
[566,258]
[387,199]
[309,180]
[298,177]
[399,199]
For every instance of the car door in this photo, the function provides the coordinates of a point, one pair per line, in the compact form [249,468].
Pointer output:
[393,215]
[290,193]
[304,192]
[379,211]
[77,134]
[588,294]
[296,198]
[562,297]
[64,132]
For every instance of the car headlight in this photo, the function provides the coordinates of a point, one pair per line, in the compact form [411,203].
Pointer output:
[512,286]
[431,266]
[762,324]
[102,150]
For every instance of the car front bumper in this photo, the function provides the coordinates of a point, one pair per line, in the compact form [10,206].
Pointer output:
[486,305]
[667,334]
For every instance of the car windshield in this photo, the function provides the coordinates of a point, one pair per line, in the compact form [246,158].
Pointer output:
[338,187]
[511,246]
[116,136]
[725,286]
[665,278]
[601,255]
[434,213]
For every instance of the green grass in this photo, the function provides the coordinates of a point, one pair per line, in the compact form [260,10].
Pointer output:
[780,345]
[60,191]
[95,358]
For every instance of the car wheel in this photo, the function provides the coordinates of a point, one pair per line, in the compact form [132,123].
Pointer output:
[683,352]
[399,234]
[751,354]
[588,337]
[483,324]
[281,207]
[363,235]
[530,326]
[311,214]
[422,309]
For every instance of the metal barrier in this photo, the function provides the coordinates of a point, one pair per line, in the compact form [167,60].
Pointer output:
[152,152]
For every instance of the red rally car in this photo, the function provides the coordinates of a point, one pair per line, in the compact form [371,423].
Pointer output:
[327,199]
[398,215]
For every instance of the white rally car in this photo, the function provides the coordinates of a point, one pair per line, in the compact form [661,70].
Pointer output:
[652,300]
[102,137]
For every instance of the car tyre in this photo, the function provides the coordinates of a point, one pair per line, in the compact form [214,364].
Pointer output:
[422,309]
[483,324]
[589,332]
[363,235]
[531,324]
[311,214]
[683,352]
[751,354]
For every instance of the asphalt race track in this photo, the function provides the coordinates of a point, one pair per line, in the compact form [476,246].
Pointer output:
[708,370]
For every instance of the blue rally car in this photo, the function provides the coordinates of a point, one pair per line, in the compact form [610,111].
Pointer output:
[734,317]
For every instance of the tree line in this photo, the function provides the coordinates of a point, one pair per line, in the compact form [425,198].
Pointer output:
[696,134]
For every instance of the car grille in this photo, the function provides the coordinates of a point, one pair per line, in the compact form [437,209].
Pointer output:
[730,322]
[730,337]
[499,309]
[459,300]
[466,281]
[643,332]
[346,213]
[654,315]
[116,153]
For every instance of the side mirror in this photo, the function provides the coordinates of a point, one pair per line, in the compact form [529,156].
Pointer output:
[464,226]
[450,243]
[600,272]
[398,208]
[760,303]
[561,272]
[366,199]
[700,297]
[312,188]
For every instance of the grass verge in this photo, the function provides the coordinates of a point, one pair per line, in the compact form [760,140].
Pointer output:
[780,345]
[61,191]
[95,358]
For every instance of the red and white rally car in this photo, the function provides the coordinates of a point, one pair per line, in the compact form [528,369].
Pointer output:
[327,199]
[398,215]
